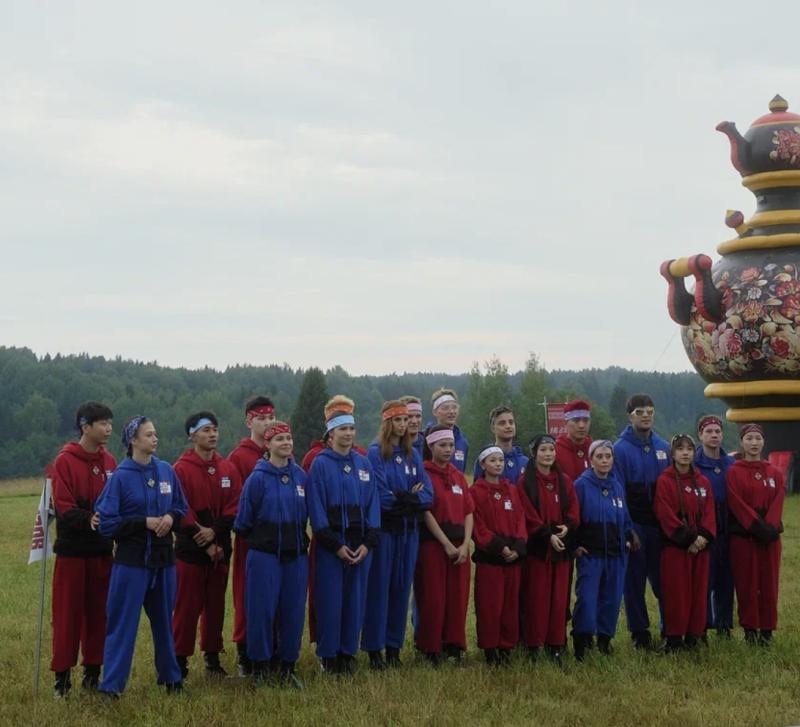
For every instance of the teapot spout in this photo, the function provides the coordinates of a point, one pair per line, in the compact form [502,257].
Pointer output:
[740,147]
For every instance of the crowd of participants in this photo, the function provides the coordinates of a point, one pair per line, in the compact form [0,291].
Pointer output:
[694,522]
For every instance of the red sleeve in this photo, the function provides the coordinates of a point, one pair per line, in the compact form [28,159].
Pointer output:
[666,507]
[740,509]
[574,509]
[535,525]
[469,501]
[775,510]
[190,518]
[520,532]
[65,499]
[230,505]
[484,537]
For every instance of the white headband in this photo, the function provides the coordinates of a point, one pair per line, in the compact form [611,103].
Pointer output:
[578,414]
[443,399]
[493,449]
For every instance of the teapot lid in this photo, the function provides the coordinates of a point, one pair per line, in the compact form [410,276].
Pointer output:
[779,114]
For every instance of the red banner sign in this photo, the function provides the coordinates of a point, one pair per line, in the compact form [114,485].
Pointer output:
[556,423]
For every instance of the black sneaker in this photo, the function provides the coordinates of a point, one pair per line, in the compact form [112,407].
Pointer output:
[63,684]
[504,657]
[287,676]
[329,665]
[604,644]
[491,656]
[533,652]
[174,688]
[376,661]
[183,664]
[556,655]
[432,658]
[213,667]
[751,636]
[393,657]
[724,633]
[642,640]
[91,677]
[244,666]
[347,664]
[765,637]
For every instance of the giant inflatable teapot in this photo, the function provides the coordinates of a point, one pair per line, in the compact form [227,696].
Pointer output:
[741,322]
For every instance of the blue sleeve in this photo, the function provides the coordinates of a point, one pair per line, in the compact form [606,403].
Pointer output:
[316,497]
[179,506]
[619,463]
[387,499]
[107,507]
[372,505]
[426,493]
[245,515]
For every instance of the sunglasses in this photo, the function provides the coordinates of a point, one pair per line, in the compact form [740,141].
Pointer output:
[641,411]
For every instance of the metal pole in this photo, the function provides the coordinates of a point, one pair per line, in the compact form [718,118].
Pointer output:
[543,403]
[44,515]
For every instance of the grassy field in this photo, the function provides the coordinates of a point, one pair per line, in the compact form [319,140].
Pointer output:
[727,684]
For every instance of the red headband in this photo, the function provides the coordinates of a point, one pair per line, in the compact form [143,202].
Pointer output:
[705,421]
[747,428]
[259,410]
[395,411]
[275,429]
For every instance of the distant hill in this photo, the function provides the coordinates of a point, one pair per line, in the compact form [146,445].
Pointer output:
[40,395]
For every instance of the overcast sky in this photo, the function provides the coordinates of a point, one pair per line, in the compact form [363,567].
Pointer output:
[388,186]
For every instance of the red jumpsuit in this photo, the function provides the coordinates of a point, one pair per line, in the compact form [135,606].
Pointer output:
[755,508]
[244,457]
[684,508]
[212,490]
[83,558]
[441,589]
[573,460]
[545,571]
[499,522]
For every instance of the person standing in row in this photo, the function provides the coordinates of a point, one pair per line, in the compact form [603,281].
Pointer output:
[139,507]
[405,493]
[500,538]
[203,547]
[755,504]
[444,403]
[684,506]
[552,517]
[572,447]
[259,415]
[640,456]
[414,406]
[441,580]
[712,460]
[273,517]
[603,539]
[504,428]
[344,508]
[83,556]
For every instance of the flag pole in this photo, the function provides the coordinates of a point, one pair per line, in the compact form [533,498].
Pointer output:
[44,516]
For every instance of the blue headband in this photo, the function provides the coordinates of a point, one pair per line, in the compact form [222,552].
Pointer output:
[204,422]
[339,421]
[130,430]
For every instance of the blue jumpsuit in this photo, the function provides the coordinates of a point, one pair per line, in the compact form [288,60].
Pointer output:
[515,464]
[720,577]
[344,509]
[272,519]
[604,529]
[394,560]
[637,465]
[144,567]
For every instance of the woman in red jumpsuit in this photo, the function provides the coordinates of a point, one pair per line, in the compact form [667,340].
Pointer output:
[755,508]
[684,508]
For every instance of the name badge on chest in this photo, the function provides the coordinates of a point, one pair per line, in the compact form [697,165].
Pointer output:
[508,505]
[458,455]
[457,490]
[363,475]
[301,491]
[165,488]
[225,482]
[661,454]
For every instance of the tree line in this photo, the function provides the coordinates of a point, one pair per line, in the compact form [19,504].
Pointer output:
[39,395]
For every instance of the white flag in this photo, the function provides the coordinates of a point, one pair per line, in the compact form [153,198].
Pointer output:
[44,515]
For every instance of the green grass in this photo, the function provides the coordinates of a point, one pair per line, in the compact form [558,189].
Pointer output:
[727,684]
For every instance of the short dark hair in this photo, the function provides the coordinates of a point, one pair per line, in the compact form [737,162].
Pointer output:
[497,411]
[90,412]
[192,419]
[256,402]
[638,400]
